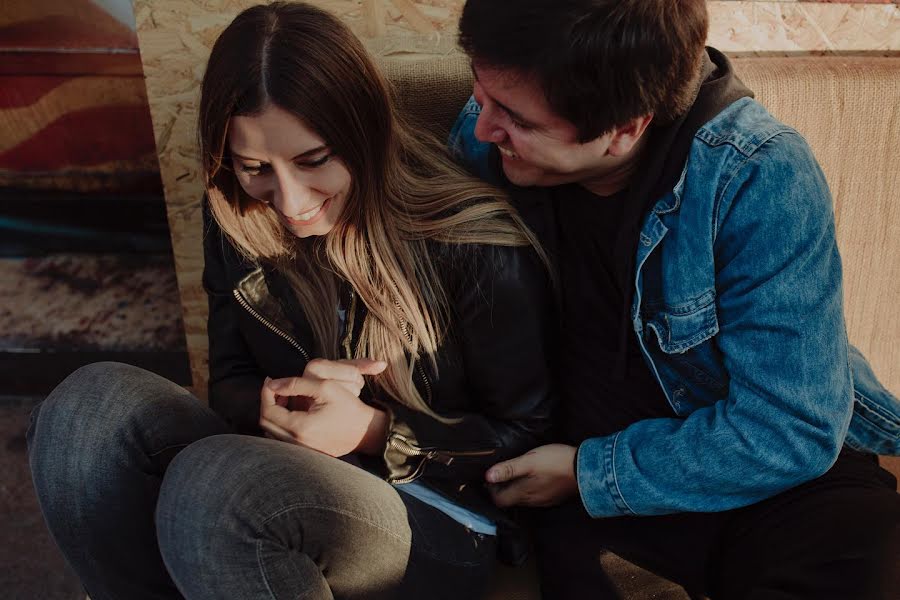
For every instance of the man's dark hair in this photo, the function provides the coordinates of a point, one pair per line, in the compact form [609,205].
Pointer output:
[600,63]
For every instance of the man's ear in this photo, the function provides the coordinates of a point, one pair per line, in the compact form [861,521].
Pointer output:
[626,136]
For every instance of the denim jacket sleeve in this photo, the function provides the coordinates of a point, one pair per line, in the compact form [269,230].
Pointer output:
[783,341]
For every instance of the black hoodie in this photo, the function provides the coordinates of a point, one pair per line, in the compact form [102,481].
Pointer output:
[604,383]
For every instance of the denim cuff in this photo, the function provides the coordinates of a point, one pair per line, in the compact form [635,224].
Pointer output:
[596,476]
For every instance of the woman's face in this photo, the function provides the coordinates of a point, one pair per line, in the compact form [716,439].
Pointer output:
[281,162]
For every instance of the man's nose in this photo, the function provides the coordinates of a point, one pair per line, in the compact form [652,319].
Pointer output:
[486,127]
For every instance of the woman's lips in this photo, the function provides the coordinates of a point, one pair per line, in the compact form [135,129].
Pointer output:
[316,215]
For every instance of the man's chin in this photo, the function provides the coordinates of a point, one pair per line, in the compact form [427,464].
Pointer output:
[522,176]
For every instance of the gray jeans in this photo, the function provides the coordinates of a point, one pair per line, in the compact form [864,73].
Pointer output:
[149,496]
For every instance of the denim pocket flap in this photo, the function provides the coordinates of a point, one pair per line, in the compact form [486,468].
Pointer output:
[874,428]
[679,330]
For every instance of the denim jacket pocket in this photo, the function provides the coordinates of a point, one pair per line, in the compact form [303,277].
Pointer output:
[680,328]
[873,429]
[875,426]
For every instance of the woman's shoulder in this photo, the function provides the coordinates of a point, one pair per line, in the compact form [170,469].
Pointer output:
[466,267]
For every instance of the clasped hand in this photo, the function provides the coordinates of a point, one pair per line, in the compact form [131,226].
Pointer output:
[322,410]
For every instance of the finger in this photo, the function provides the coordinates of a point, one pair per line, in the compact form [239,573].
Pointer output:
[332,369]
[275,432]
[508,470]
[288,420]
[267,396]
[508,494]
[367,366]
[270,398]
[294,386]
[352,387]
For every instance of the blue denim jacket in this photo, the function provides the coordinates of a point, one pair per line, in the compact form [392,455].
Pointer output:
[738,307]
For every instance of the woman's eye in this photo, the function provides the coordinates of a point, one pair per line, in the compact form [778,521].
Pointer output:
[316,163]
[252,169]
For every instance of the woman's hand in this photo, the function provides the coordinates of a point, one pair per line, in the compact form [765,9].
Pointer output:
[322,410]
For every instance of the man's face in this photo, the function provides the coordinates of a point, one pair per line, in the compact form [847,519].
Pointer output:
[538,147]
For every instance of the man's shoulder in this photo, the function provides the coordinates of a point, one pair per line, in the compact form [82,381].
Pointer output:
[745,143]
[745,125]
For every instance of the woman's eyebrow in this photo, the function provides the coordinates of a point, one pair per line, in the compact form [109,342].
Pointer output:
[305,154]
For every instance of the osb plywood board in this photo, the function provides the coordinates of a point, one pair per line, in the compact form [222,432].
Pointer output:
[175,37]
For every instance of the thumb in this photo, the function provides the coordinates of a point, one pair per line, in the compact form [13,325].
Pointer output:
[507,470]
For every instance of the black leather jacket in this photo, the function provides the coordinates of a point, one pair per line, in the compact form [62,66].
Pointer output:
[493,376]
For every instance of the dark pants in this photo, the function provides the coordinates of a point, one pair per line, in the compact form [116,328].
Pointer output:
[149,496]
[836,537]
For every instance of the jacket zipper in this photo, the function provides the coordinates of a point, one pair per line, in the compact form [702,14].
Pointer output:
[446,457]
[404,327]
[349,325]
[425,379]
[243,302]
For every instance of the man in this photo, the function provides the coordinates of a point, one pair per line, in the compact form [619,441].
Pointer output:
[706,382]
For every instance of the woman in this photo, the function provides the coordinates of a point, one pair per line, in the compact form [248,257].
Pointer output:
[368,302]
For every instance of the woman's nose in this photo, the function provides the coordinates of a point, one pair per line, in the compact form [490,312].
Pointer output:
[291,196]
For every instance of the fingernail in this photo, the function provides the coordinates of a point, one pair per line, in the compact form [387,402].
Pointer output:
[492,476]
[275,384]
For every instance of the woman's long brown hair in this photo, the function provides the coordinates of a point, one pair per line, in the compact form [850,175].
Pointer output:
[405,190]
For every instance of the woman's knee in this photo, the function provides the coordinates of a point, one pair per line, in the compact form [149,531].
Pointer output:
[200,482]
[241,504]
[97,396]
[100,414]
[197,515]
[73,417]
[240,481]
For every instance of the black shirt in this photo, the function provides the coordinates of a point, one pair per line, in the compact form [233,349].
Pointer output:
[594,399]
[602,379]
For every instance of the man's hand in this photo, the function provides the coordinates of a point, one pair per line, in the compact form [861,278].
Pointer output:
[322,410]
[544,476]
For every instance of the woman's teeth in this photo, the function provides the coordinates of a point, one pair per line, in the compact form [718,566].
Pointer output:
[308,215]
